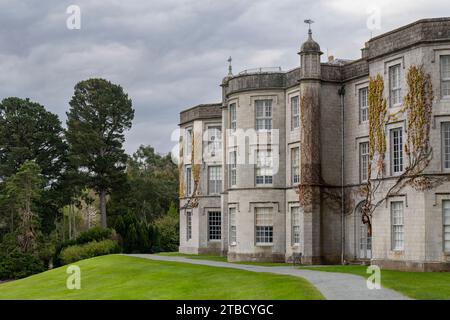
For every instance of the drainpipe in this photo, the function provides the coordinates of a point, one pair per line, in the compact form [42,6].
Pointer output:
[341,93]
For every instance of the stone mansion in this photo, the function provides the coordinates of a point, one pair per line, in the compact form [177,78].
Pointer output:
[241,160]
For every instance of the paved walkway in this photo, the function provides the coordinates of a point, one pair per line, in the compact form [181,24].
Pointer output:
[334,286]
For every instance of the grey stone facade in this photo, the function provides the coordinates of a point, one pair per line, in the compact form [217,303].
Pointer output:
[320,232]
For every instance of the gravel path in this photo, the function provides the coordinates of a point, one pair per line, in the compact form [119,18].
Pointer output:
[334,286]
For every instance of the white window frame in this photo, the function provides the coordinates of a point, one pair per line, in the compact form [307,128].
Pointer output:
[445,75]
[295,113]
[295,165]
[189,138]
[445,137]
[363,97]
[214,139]
[188,177]
[232,226]
[397,226]
[214,225]
[233,167]
[296,226]
[395,89]
[446,225]
[263,226]
[396,154]
[188,225]
[264,167]
[232,112]
[363,161]
[214,180]
[263,114]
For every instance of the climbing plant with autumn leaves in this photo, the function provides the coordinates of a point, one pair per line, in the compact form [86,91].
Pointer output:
[192,199]
[417,106]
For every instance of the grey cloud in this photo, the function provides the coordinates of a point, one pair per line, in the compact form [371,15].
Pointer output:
[170,54]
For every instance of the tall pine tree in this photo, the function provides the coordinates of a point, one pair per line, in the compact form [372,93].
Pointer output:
[100,113]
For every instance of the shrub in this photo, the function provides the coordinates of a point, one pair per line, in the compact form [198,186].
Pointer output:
[168,230]
[136,234]
[88,250]
[17,264]
[93,234]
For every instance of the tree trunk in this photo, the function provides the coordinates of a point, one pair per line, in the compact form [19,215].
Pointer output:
[69,216]
[103,208]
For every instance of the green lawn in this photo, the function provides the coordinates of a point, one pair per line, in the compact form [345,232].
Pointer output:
[222,259]
[417,285]
[122,277]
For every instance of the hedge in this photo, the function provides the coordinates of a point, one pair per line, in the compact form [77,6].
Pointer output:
[88,250]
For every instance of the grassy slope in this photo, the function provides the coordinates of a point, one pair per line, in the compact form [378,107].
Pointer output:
[417,285]
[122,277]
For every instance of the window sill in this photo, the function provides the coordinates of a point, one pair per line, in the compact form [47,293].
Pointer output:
[215,240]
[396,174]
[264,244]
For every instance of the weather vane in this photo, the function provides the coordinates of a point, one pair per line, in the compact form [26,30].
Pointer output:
[309,22]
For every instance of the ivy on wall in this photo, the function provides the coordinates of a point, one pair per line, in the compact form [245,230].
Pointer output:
[417,108]
[192,201]
[182,186]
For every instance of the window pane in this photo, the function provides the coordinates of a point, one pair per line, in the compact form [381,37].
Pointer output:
[397,237]
[263,225]
[215,179]
[364,161]
[446,224]
[232,212]
[188,181]
[188,225]
[364,104]
[233,116]
[396,150]
[214,139]
[295,222]
[188,142]
[215,225]
[446,145]
[263,111]
[295,113]
[445,67]
[295,165]
[264,167]
[394,85]
[233,167]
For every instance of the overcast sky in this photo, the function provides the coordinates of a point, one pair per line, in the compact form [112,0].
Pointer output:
[171,54]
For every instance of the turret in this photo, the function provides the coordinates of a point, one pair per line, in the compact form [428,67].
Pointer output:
[310,57]
[310,168]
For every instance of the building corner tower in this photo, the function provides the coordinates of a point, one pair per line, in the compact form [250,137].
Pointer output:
[310,154]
